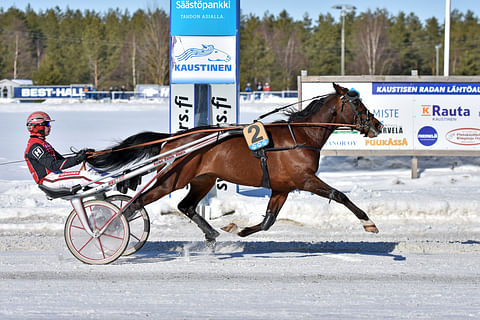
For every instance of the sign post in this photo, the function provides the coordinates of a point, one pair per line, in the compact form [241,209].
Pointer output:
[204,66]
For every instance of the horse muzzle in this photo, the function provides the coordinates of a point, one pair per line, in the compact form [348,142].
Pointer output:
[374,130]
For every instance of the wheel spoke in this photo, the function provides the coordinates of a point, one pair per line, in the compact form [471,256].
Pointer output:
[137,216]
[113,217]
[101,248]
[112,236]
[86,243]
[132,235]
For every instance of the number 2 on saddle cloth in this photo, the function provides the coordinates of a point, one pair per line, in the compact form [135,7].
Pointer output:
[257,138]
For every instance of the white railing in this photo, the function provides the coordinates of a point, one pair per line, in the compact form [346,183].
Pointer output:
[135,95]
[120,96]
[265,95]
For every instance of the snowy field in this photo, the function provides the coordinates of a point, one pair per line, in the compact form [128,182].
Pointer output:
[316,262]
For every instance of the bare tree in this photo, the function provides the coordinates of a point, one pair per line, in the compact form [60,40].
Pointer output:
[371,41]
[134,58]
[94,45]
[154,47]
[18,49]
[283,39]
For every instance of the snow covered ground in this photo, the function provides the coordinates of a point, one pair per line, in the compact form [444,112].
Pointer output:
[316,262]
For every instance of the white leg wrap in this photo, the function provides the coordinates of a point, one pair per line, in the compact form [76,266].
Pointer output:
[367,223]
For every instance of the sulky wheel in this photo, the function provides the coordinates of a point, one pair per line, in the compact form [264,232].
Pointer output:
[102,248]
[139,224]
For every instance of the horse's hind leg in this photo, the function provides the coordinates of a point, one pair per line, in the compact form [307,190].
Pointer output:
[199,187]
[317,186]
[274,205]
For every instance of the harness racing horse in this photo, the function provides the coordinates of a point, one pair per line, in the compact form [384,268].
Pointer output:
[292,159]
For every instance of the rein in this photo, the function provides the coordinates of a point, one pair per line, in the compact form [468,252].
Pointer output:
[299,124]
[289,124]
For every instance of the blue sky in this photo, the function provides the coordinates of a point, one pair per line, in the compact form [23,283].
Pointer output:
[422,8]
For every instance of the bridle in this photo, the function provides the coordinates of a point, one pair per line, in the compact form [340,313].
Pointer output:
[352,99]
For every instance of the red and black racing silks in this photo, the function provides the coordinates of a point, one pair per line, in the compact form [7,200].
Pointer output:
[42,159]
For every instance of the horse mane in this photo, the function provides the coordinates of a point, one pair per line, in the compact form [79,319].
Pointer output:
[311,109]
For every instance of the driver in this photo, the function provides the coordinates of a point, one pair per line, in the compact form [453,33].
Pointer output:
[45,164]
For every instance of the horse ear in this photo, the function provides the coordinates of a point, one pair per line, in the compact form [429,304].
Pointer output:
[339,89]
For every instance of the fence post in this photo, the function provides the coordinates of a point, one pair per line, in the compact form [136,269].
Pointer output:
[414,167]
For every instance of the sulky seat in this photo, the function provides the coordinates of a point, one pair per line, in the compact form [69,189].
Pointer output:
[60,192]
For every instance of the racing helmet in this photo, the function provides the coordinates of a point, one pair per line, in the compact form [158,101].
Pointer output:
[37,122]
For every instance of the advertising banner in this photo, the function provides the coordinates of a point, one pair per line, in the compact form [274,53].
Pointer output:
[152,91]
[416,116]
[203,17]
[203,59]
[182,111]
[223,112]
[204,50]
[48,92]
[222,104]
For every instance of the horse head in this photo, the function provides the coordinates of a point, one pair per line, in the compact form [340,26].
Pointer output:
[219,55]
[351,110]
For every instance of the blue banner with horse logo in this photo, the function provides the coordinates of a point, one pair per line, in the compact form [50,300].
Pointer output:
[203,60]
[203,17]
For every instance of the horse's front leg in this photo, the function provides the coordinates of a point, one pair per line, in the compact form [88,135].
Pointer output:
[317,186]
[199,187]
[274,205]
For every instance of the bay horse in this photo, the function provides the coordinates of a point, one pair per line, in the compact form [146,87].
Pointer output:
[291,158]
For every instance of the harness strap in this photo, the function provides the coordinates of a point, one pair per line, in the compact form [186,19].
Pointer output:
[260,154]
[292,134]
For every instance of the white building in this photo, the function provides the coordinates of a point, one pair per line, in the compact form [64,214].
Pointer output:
[7,86]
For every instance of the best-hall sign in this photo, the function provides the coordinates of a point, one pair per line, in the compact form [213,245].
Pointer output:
[204,17]
[48,92]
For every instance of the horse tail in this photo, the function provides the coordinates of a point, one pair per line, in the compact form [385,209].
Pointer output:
[126,151]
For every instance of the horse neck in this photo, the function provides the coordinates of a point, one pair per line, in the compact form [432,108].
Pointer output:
[319,134]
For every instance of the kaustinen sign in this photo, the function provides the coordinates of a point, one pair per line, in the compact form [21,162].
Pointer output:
[203,59]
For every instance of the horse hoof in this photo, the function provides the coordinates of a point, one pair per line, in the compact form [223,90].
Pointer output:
[371,228]
[232,228]
[211,244]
